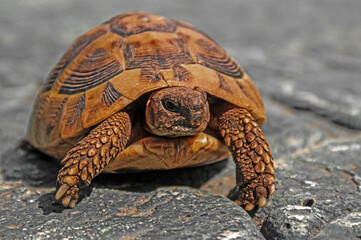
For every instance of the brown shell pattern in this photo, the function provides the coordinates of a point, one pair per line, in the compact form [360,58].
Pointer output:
[131,54]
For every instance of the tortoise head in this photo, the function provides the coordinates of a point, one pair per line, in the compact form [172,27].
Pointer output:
[177,111]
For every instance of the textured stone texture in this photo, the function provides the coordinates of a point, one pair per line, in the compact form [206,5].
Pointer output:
[108,213]
[305,58]
[315,186]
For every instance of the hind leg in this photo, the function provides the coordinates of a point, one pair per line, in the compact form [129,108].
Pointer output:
[89,157]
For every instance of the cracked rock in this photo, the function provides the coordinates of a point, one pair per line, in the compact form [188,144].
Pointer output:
[345,227]
[314,189]
[166,213]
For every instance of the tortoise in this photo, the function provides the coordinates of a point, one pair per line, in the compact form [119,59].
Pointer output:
[143,92]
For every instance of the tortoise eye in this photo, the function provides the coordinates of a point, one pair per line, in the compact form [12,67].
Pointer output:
[170,105]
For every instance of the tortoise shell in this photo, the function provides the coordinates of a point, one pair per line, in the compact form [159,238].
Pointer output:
[114,64]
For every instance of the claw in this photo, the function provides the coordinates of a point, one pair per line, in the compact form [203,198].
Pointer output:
[61,191]
[66,201]
[272,189]
[249,207]
[262,202]
[72,203]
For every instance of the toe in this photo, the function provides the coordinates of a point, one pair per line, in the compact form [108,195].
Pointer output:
[72,203]
[262,202]
[68,195]
[249,207]
[271,189]
[66,200]
[61,191]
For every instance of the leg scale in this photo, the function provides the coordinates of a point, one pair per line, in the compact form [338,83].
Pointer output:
[89,157]
[255,171]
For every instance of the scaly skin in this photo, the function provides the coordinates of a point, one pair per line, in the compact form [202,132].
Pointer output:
[89,157]
[255,172]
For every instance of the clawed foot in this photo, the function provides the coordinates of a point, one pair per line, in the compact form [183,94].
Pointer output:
[255,193]
[68,191]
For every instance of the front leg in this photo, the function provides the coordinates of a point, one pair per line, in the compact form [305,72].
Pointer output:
[89,157]
[255,172]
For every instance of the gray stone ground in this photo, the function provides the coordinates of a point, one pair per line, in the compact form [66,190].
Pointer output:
[305,57]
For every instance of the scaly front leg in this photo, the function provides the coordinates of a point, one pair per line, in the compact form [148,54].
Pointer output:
[255,172]
[89,157]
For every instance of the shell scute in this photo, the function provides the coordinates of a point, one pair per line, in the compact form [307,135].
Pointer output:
[130,24]
[156,51]
[181,74]
[96,106]
[95,68]
[136,84]
[54,112]
[110,95]
[213,56]
[78,45]
[71,123]
[150,74]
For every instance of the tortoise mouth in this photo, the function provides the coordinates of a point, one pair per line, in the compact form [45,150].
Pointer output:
[181,130]
[178,130]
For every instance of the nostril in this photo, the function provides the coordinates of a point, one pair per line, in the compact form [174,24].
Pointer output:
[196,108]
[198,120]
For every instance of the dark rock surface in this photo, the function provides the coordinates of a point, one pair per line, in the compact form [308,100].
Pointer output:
[305,58]
[315,187]
[169,213]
